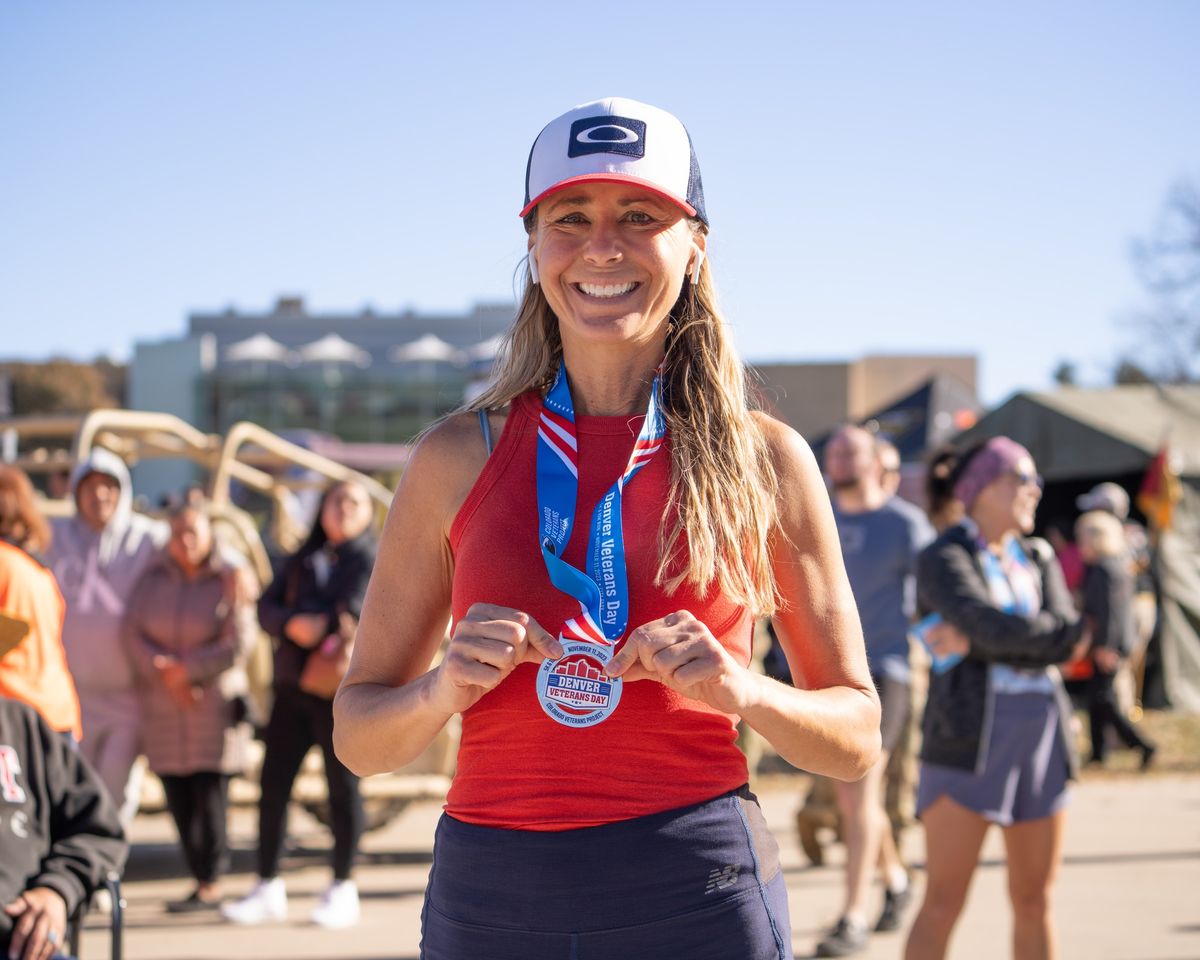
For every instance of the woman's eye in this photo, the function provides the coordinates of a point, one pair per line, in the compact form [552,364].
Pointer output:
[572,218]
[638,216]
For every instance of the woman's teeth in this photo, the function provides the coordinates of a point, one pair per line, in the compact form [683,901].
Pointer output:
[605,291]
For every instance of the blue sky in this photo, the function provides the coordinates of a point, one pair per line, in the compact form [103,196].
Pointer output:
[881,177]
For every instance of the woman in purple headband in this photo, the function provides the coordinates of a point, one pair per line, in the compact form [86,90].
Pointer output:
[997,742]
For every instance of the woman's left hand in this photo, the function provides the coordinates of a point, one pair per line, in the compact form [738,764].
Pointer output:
[680,652]
[947,640]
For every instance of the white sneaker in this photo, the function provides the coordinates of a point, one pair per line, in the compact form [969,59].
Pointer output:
[338,907]
[267,901]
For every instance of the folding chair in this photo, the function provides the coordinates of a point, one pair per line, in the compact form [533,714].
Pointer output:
[112,883]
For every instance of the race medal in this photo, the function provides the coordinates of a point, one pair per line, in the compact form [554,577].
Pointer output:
[574,690]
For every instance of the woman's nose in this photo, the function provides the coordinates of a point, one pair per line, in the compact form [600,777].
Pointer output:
[602,246]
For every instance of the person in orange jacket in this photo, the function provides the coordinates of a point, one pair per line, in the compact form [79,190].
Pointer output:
[33,663]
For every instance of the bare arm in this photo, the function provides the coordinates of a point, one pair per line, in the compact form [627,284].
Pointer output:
[391,704]
[829,722]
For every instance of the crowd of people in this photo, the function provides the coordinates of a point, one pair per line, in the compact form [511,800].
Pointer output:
[997,619]
[620,408]
[124,636]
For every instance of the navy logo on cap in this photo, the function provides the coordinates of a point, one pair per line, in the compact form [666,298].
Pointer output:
[622,135]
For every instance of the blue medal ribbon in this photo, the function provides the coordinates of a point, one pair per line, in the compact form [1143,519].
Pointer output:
[603,591]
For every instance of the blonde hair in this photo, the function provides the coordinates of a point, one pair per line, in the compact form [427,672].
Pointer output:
[722,478]
[1102,533]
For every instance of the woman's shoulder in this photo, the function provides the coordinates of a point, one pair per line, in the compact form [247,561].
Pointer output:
[789,452]
[448,459]
[954,542]
[1039,549]
[16,558]
[457,443]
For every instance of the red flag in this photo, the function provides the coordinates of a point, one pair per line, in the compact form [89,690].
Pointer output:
[1159,491]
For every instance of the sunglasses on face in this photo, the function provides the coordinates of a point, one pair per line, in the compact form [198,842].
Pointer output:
[1027,478]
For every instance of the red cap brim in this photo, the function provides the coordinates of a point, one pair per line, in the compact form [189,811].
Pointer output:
[610,178]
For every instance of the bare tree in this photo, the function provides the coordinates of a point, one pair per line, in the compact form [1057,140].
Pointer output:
[1168,265]
[1066,374]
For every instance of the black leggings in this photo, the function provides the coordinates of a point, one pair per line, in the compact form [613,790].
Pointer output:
[198,803]
[1103,712]
[299,720]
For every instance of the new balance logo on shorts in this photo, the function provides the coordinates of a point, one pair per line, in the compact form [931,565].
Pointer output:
[721,878]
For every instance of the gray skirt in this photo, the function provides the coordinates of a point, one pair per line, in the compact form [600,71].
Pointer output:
[1026,770]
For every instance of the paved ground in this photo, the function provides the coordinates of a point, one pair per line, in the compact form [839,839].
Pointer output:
[1129,889]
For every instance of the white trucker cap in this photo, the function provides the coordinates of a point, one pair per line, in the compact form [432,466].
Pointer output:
[616,140]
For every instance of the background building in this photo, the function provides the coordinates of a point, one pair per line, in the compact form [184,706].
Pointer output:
[364,377]
[369,378]
[812,398]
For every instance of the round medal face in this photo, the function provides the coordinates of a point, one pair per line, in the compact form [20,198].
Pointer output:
[574,689]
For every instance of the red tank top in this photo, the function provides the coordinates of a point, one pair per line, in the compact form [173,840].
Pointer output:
[518,768]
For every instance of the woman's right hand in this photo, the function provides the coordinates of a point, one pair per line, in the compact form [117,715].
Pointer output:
[306,629]
[487,645]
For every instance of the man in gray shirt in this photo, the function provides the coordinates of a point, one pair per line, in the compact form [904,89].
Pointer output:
[881,536]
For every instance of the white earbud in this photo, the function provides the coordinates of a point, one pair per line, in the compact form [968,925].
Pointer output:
[533,274]
[696,265]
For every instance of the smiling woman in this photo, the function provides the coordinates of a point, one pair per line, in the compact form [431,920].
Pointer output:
[998,746]
[601,672]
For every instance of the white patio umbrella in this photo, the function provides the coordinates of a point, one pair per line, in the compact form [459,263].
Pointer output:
[332,348]
[258,348]
[426,349]
[486,350]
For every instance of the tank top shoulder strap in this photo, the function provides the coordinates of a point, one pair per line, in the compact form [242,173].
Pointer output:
[486,429]
[520,432]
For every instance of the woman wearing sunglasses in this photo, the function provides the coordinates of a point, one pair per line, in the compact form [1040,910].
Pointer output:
[997,742]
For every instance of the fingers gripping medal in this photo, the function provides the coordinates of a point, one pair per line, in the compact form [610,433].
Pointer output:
[574,690]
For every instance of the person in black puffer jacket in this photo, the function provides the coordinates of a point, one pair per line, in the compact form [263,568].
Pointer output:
[312,604]
[997,742]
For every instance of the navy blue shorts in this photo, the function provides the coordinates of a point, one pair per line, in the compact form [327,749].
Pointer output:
[701,882]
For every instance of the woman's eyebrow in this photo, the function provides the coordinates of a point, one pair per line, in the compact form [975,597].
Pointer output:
[642,200]
[578,200]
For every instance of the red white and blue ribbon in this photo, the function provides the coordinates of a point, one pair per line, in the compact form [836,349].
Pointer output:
[602,591]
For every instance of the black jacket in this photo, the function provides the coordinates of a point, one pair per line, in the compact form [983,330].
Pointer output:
[58,827]
[951,581]
[295,590]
